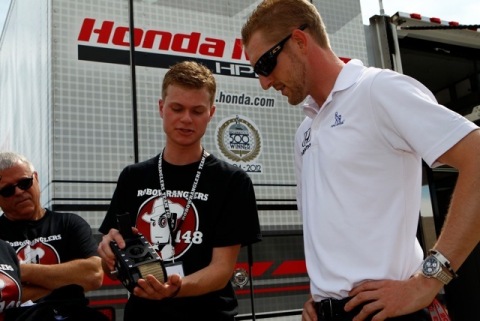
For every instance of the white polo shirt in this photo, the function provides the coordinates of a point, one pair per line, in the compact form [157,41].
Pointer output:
[359,171]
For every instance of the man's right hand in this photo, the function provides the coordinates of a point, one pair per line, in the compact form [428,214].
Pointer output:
[309,313]
[105,251]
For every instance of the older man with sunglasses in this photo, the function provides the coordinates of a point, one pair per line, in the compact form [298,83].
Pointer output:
[55,249]
[358,158]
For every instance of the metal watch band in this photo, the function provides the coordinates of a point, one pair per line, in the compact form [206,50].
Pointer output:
[444,262]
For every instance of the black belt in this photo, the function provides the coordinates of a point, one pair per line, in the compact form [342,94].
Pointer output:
[329,309]
[333,310]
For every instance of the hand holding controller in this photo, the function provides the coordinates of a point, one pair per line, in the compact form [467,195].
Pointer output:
[137,259]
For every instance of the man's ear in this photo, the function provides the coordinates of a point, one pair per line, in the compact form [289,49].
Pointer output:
[212,111]
[160,107]
[300,38]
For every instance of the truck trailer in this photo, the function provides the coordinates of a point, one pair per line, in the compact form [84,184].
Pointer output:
[445,57]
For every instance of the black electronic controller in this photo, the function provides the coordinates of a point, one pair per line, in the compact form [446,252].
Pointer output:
[137,259]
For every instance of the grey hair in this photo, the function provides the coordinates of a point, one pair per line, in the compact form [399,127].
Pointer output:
[10,159]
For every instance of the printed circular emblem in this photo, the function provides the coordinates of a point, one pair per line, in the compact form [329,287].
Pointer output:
[238,139]
[153,223]
[38,253]
[9,291]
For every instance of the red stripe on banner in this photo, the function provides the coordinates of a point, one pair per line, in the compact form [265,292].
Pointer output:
[109,281]
[108,302]
[291,267]
[258,268]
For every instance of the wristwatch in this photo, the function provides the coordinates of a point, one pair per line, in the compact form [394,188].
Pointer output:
[437,266]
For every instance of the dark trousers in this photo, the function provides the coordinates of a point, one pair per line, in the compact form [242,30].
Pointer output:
[332,310]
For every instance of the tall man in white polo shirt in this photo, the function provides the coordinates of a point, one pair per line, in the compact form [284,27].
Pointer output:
[358,156]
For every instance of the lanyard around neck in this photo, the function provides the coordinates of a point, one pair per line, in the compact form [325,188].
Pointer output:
[175,227]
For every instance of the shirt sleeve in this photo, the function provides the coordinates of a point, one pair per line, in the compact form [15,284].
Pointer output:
[80,243]
[411,119]
[239,222]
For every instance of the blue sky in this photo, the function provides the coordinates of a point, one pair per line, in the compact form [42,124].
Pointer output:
[462,11]
[3,12]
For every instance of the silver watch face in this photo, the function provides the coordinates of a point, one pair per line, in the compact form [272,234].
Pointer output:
[431,266]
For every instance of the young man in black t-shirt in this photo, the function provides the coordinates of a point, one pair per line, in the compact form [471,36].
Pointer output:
[195,209]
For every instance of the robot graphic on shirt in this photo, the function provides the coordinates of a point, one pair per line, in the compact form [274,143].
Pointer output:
[154,224]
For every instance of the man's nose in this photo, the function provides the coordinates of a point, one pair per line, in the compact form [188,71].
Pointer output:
[186,117]
[265,82]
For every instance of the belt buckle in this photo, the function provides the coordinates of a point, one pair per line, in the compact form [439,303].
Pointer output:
[326,309]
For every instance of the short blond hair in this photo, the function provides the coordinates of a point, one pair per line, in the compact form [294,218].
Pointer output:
[190,75]
[277,18]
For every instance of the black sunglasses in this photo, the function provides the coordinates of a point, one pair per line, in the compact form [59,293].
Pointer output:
[267,62]
[23,184]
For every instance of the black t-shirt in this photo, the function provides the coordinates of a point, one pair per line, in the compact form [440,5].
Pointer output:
[55,238]
[223,213]
[10,284]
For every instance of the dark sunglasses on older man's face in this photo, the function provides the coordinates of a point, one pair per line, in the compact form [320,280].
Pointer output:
[23,184]
[267,62]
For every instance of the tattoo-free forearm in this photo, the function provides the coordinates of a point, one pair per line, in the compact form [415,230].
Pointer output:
[87,273]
